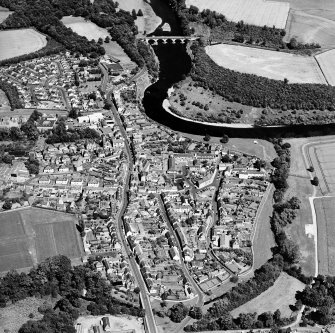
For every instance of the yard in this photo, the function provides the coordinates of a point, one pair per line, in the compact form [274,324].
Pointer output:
[325,211]
[256,12]
[30,235]
[271,64]
[280,296]
[14,43]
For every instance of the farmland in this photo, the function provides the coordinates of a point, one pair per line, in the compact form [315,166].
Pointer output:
[280,296]
[325,211]
[327,63]
[256,12]
[30,235]
[14,43]
[312,21]
[84,27]
[266,63]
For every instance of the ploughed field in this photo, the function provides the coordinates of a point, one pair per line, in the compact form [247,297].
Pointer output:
[30,235]
[256,12]
[14,43]
[271,64]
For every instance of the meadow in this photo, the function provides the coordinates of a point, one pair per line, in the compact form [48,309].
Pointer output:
[256,12]
[280,296]
[14,43]
[30,235]
[271,64]
[85,28]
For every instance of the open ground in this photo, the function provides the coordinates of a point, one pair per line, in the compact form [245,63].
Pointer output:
[146,23]
[280,296]
[30,235]
[4,102]
[312,21]
[271,64]
[15,43]
[256,12]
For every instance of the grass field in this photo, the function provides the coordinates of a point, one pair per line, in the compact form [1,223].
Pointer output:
[14,43]
[279,296]
[325,211]
[30,235]
[257,12]
[312,21]
[114,49]
[84,27]
[327,62]
[270,64]
[13,316]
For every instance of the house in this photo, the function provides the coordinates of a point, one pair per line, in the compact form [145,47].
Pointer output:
[49,169]
[77,182]
[93,183]
[63,168]
[62,181]
[44,180]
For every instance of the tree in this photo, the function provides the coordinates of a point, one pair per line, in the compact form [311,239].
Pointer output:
[7,205]
[137,290]
[285,80]
[311,168]
[133,14]
[30,130]
[107,39]
[100,41]
[140,13]
[315,181]
[207,137]
[178,312]
[234,279]
[224,139]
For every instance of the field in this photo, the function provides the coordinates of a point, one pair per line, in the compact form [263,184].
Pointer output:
[30,235]
[312,21]
[327,62]
[114,49]
[4,13]
[14,43]
[149,21]
[325,211]
[263,239]
[323,160]
[279,296]
[85,27]
[256,12]
[266,63]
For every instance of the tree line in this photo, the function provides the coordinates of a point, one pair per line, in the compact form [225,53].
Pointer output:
[12,94]
[56,277]
[257,91]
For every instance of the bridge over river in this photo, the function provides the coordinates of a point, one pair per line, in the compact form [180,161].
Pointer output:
[165,39]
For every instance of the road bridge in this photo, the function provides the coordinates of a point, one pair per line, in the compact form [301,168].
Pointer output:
[165,39]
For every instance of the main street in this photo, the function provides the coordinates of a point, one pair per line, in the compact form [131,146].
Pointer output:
[149,316]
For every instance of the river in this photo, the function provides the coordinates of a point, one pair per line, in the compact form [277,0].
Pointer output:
[175,63]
